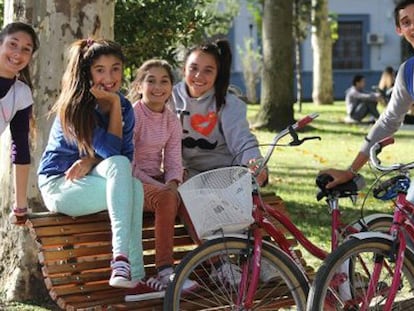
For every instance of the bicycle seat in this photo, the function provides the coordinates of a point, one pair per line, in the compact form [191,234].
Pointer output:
[343,190]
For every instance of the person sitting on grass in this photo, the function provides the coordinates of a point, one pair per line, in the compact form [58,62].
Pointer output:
[360,104]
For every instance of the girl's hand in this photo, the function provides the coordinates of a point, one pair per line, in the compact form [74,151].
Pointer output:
[80,168]
[263,177]
[106,99]
[339,176]
[172,185]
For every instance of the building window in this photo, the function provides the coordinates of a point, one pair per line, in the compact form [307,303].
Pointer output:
[348,49]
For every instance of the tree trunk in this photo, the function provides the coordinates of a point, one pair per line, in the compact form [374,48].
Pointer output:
[298,56]
[298,66]
[322,53]
[58,23]
[276,110]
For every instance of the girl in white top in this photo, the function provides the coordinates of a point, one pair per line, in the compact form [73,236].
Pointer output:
[18,42]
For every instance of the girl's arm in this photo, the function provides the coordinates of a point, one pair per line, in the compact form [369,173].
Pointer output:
[21,178]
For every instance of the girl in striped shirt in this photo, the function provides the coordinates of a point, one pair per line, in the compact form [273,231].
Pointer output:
[157,160]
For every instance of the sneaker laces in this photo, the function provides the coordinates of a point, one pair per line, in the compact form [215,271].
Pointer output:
[121,268]
[156,283]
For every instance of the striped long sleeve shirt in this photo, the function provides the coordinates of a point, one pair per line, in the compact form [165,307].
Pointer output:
[157,146]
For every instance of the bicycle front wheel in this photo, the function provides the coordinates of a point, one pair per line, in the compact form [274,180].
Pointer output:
[216,266]
[341,283]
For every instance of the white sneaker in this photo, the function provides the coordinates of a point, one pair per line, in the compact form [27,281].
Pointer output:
[268,272]
[228,274]
[166,276]
[349,120]
[121,274]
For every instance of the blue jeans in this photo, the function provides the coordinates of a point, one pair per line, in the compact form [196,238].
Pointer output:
[109,186]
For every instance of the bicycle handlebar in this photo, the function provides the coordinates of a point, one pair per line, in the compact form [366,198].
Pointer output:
[291,129]
[376,162]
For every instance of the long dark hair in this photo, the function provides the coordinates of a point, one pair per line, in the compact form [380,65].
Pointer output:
[221,51]
[12,28]
[75,105]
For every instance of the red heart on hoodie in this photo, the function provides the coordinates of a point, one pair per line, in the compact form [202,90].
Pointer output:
[204,124]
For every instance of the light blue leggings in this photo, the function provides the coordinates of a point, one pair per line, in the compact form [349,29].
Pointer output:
[109,186]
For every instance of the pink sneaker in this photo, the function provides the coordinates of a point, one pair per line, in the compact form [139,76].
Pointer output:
[145,290]
[121,273]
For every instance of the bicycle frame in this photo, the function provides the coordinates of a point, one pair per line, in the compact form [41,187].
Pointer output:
[262,222]
[401,220]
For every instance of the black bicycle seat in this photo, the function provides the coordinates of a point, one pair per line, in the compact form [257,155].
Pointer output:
[342,190]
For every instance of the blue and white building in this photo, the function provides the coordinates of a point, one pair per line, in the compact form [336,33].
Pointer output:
[367,43]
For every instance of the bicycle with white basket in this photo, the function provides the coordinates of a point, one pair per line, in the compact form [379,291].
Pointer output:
[236,268]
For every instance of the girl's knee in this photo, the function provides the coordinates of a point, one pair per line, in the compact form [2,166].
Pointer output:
[119,161]
[168,199]
[117,164]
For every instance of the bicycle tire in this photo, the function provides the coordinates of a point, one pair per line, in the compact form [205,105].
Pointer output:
[356,257]
[288,290]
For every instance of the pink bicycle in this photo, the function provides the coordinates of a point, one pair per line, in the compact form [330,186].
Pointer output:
[372,271]
[236,267]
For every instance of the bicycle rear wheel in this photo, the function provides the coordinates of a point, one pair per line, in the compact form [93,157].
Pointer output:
[342,280]
[218,289]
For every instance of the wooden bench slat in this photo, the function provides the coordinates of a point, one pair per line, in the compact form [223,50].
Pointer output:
[76,253]
[86,288]
[78,279]
[76,267]
[55,241]
[74,228]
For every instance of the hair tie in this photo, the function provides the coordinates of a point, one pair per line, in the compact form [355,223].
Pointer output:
[89,42]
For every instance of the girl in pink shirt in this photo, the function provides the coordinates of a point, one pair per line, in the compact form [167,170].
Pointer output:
[157,160]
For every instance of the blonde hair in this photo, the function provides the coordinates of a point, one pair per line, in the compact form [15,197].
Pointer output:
[387,79]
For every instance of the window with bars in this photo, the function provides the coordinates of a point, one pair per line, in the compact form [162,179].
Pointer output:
[348,49]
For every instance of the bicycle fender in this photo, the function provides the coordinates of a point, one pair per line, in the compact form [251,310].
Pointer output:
[369,234]
[367,219]
[219,236]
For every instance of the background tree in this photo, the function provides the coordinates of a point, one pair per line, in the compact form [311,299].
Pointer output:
[321,40]
[58,23]
[276,109]
[301,22]
[158,28]
[251,60]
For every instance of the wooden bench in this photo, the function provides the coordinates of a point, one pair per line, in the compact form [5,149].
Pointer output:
[75,255]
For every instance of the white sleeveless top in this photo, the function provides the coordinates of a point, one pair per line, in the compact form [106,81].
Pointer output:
[19,97]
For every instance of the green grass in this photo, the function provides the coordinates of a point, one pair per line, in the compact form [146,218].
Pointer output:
[293,169]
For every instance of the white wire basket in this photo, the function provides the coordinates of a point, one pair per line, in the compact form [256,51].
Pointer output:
[219,200]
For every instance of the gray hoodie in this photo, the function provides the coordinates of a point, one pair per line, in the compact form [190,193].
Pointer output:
[213,139]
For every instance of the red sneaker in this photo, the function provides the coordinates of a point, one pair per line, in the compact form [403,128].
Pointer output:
[143,291]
